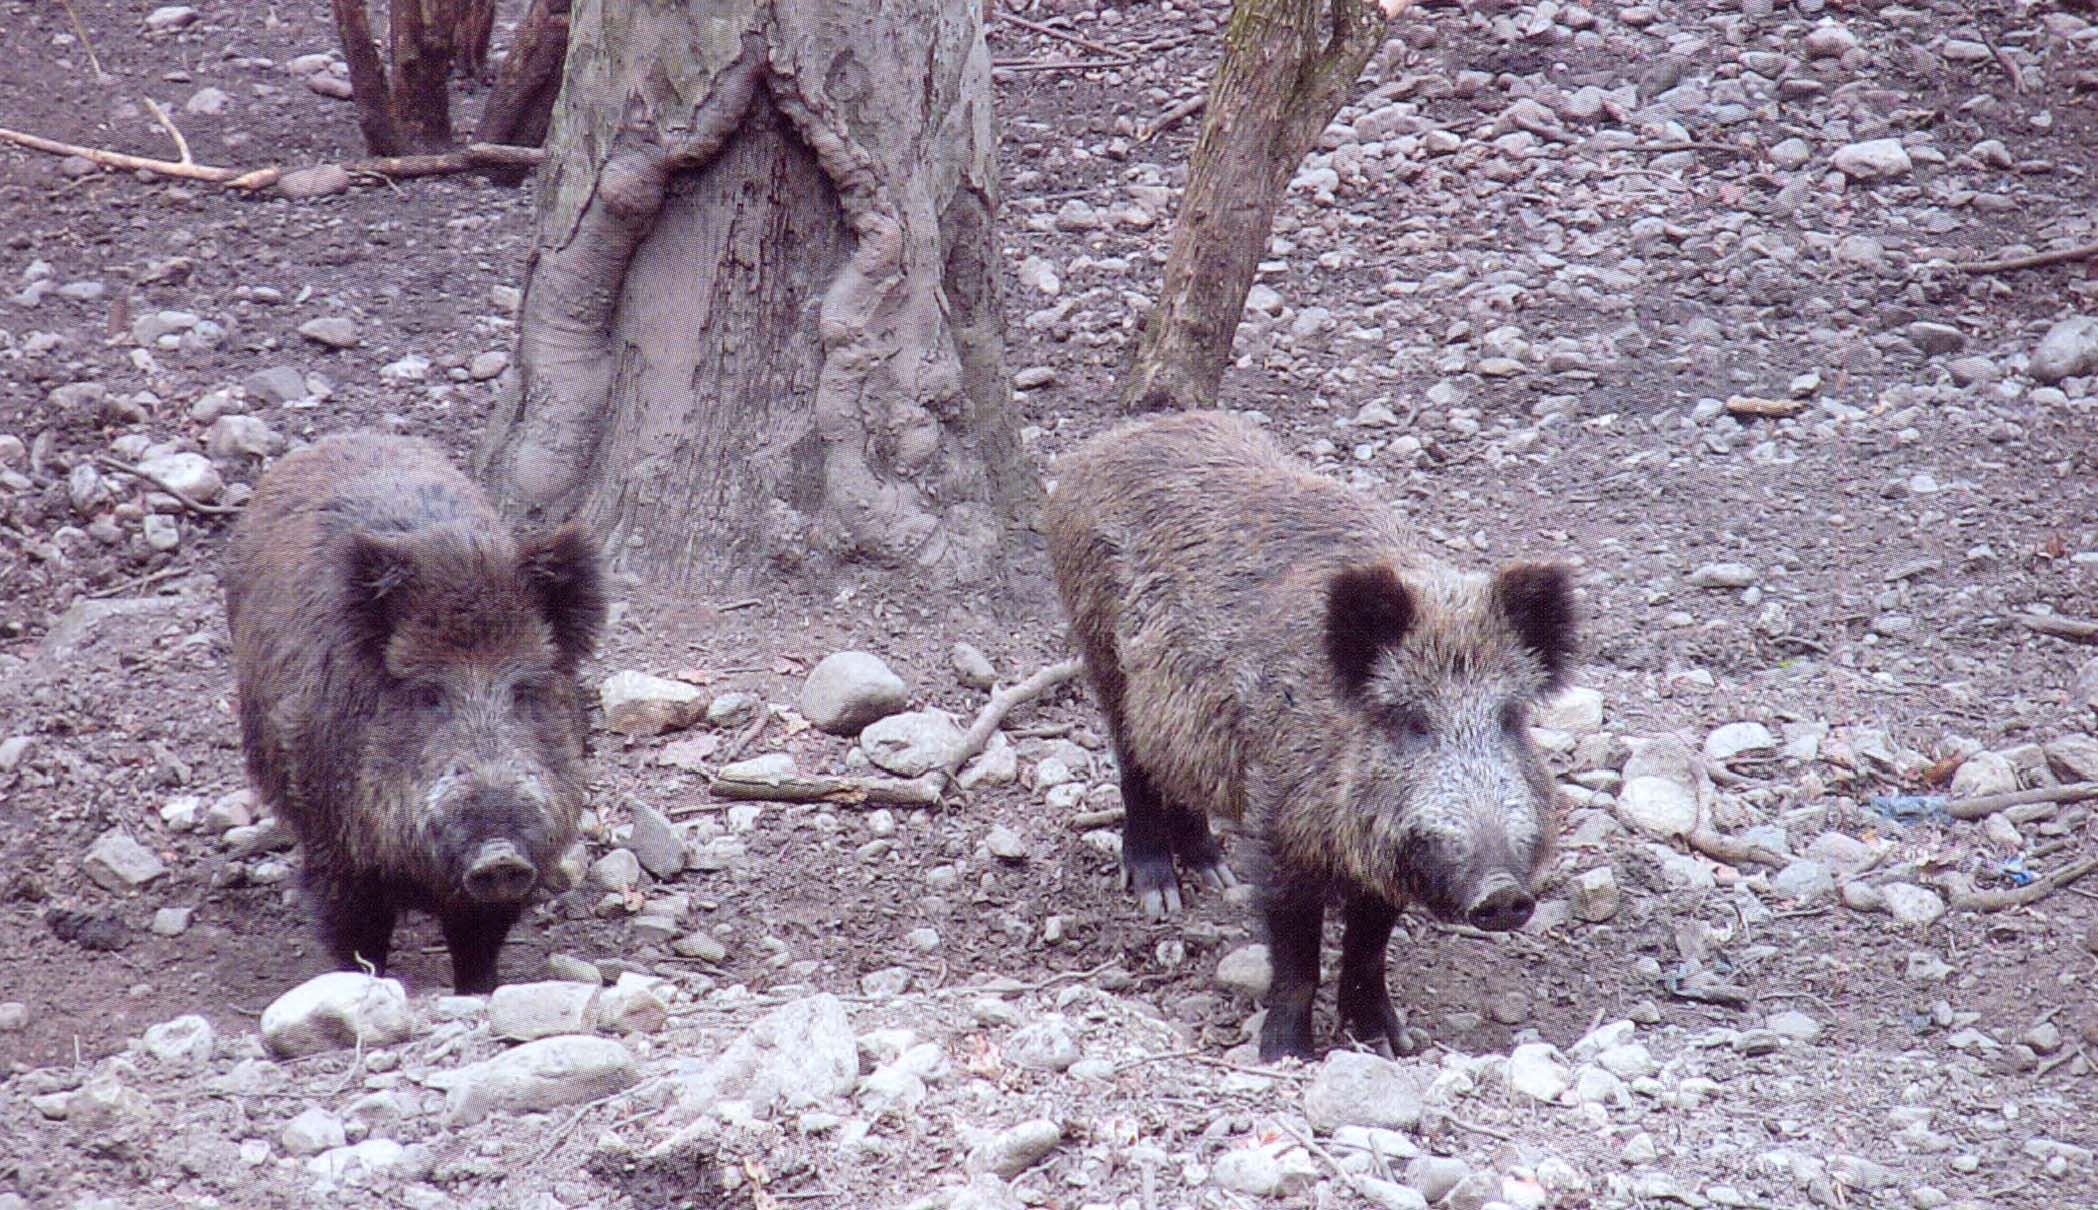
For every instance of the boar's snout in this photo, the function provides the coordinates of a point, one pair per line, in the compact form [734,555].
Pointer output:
[1502,906]
[500,873]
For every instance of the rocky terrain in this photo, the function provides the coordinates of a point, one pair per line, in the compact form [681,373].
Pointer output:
[1719,301]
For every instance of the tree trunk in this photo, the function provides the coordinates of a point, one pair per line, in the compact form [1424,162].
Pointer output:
[1288,65]
[522,102]
[368,84]
[761,327]
[419,34]
[473,28]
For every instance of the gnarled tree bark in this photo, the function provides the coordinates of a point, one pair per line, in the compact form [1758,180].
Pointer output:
[761,328]
[1288,65]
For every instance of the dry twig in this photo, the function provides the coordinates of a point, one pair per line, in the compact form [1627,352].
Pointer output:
[174,132]
[181,497]
[80,32]
[475,157]
[1173,117]
[1002,703]
[817,787]
[1960,893]
[1050,31]
[2037,260]
[2074,629]
[1984,805]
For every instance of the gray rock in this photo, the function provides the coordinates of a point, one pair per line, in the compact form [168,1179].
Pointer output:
[14,1017]
[1536,1070]
[241,437]
[1985,773]
[638,704]
[735,708]
[1005,844]
[985,1192]
[1389,1195]
[1795,1025]
[1911,904]
[1723,575]
[116,862]
[799,1055]
[1357,1089]
[998,765]
[276,384]
[539,1076]
[972,667]
[850,689]
[2070,348]
[334,331]
[1014,1150]
[488,365]
[634,1004]
[1247,969]
[186,1040]
[1658,806]
[618,871]
[171,921]
[911,743]
[527,1011]
[1272,1170]
[1434,1176]
[1736,739]
[171,17]
[313,1131]
[207,101]
[191,474]
[1596,897]
[1577,711]
[1872,160]
[338,1009]
[701,945]
[1935,339]
[2073,757]
[1806,881]
[1046,1045]
[655,843]
[316,180]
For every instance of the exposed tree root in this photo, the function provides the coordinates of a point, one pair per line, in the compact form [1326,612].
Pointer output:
[1002,703]
[476,157]
[1960,893]
[2074,629]
[1986,805]
[194,505]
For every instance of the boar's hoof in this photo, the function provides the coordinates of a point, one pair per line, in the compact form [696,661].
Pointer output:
[1502,909]
[500,874]
[1157,889]
[1216,875]
[1286,1033]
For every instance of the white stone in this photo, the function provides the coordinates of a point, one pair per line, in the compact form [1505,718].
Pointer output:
[313,1131]
[338,1009]
[1273,1170]
[1723,575]
[1735,739]
[1911,904]
[1984,773]
[541,1075]
[801,1054]
[1657,806]
[617,871]
[358,1162]
[1536,1070]
[1014,1150]
[1246,969]
[850,689]
[1046,1045]
[1596,896]
[186,1039]
[2070,348]
[116,862]
[1357,1089]
[526,1011]
[1872,160]
[911,743]
[655,842]
[638,704]
[635,1004]
[1578,711]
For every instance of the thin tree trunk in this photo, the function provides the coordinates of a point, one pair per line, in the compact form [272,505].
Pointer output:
[419,34]
[473,29]
[522,102]
[368,84]
[1288,65]
[761,329]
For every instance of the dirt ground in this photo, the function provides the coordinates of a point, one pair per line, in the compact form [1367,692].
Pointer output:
[1541,316]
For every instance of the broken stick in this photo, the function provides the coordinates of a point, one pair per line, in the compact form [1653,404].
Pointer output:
[1002,703]
[1984,805]
[816,787]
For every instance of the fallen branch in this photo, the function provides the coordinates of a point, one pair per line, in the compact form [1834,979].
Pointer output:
[2074,629]
[1061,36]
[2038,260]
[1174,116]
[815,787]
[1002,703]
[167,123]
[181,497]
[474,157]
[1984,805]
[1960,893]
[1731,850]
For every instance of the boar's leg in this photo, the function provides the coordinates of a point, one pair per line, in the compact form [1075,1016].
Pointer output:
[1294,909]
[1365,1002]
[356,918]
[1196,847]
[474,933]
[1147,846]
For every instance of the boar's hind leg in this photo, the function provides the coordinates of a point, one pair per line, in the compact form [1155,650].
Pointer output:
[1365,1002]
[356,918]
[1294,910]
[474,934]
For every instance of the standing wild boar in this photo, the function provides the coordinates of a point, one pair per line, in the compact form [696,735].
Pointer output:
[407,682]
[1270,647]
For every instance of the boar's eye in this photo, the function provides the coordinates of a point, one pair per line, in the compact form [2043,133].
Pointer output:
[428,697]
[1513,718]
[527,694]
[1412,725]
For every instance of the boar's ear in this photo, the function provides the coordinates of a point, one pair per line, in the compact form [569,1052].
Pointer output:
[1367,611]
[561,569]
[1537,599]
[376,573]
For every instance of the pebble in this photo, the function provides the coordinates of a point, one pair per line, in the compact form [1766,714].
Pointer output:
[116,862]
[1046,1045]
[311,1132]
[1723,575]
[1536,1070]
[170,17]
[1247,970]
[618,871]
[171,921]
[1357,1089]
[1270,1170]
[1795,1025]
[1658,806]
[319,180]
[186,1039]
[2069,348]
[191,474]
[972,667]
[911,743]
[1014,1150]
[997,765]
[207,101]
[335,1010]
[655,842]
[541,1075]
[1872,160]
[490,364]
[334,331]
[2073,758]
[1006,844]
[1435,1177]
[850,689]
[735,709]
[1804,881]
[1596,896]
[799,1055]
[1984,773]
[526,1011]
[1738,739]
[1911,904]
[637,704]
[1577,711]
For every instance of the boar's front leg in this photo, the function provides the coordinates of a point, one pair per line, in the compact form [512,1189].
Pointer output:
[1294,909]
[1147,848]
[474,933]
[1366,1012]
[356,918]
[1196,847]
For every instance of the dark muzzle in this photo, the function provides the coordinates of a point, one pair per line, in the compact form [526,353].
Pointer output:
[500,873]
[1502,907]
